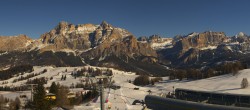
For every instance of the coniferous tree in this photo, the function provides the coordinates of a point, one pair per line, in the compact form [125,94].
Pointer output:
[39,101]
[17,103]
[53,88]
[142,80]
[62,77]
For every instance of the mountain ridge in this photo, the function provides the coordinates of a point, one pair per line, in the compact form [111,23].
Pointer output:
[109,46]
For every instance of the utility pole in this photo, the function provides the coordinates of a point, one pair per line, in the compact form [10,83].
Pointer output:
[102,100]
[32,90]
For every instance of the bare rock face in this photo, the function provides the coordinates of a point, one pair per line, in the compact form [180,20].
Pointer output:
[189,49]
[96,41]
[128,46]
[69,36]
[143,39]
[14,43]
[82,36]
[201,40]
[155,39]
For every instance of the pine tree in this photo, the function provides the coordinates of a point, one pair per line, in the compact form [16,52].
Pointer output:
[39,101]
[53,88]
[62,77]
[17,103]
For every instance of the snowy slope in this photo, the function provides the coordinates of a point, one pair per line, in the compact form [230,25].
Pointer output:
[123,98]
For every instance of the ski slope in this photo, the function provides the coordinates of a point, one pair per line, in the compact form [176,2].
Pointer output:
[123,98]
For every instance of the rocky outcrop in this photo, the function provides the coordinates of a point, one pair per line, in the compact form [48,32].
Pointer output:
[193,48]
[196,40]
[14,43]
[99,40]
[128,46]
[82,36]
[69,36]
[157,42]
[241,38]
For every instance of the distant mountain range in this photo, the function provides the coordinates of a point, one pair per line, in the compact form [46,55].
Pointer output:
[105,45]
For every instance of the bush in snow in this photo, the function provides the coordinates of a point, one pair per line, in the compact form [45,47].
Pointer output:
[142,80]
[244,83]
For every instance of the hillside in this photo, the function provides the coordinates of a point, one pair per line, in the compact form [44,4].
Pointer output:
[123,97]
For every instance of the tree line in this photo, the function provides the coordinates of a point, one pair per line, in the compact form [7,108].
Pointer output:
[29,76]
[13,104]
[62,100]
[91,72]
[194,74]
[143,80]
[11,72]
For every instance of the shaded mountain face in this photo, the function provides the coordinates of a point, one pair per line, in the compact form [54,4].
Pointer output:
[76,45]
[205,49]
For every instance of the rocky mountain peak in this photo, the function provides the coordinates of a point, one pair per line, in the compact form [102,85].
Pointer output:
[82,36]
[241,37]
[200,40]
[105,25]
[143,39]
[240,34]
[14,43]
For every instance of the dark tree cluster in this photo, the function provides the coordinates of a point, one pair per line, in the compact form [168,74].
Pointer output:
[157,79]
[230,67]
[63,78]
[44,71]
[39,101]
[142,80]
[42,80]
[244,83]
[92,72]
[62,100]
[18,88]
[194,74]
[79,85]
[13,104]
[86,97]
[90,95]
[5,82]
[28,76]
[11,72]
[190,74]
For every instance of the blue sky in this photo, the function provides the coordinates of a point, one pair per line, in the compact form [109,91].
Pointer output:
[141,17]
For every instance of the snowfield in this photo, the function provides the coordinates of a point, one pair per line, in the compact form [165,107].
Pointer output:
[162,45]
[124,97]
